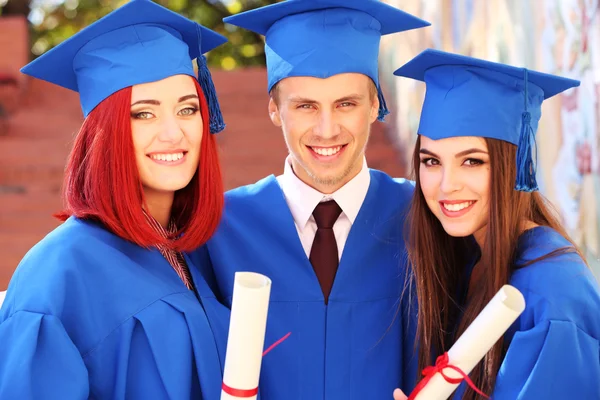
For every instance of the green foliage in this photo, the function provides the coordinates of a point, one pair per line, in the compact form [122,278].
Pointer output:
[60,22]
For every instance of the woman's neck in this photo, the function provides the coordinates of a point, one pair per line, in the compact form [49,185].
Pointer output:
[159,205]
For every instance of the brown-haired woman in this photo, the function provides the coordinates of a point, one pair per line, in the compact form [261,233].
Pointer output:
[472,230]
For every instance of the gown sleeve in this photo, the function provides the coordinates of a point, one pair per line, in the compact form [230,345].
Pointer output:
[553,360]
[38,360]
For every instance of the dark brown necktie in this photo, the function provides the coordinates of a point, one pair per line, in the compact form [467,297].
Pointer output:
[324,253]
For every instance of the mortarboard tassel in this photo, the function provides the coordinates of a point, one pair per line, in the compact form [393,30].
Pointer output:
[383,110]
[526,173]
[214,109]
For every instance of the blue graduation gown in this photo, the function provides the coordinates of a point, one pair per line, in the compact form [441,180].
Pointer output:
[360,344]
[553,347]
[90,315]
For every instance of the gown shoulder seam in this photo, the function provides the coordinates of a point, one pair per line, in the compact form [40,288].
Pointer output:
[568,321]
[120,324]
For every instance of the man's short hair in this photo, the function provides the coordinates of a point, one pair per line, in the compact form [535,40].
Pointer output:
[274,93]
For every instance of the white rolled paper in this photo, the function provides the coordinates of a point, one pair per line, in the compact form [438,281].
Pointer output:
[470,348]
[249,308]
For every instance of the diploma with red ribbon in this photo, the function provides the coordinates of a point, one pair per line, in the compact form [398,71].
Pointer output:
[249,308]
[453,367]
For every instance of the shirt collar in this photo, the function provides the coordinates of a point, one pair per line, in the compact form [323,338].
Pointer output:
[158,228]
[302,199]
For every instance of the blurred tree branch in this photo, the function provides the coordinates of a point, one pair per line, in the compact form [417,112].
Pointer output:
[57,23]
[16,7]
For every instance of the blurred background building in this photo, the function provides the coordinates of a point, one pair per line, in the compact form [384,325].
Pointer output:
[38,121]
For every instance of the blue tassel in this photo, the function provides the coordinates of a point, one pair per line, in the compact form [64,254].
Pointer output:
[383,110]
[526,174]
[214,109]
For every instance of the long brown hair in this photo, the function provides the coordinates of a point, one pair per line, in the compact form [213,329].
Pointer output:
[439,260]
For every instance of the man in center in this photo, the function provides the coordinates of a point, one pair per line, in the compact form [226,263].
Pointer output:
[328,231]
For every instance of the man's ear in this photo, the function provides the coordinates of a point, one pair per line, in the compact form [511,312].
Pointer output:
[274,112]
[374,109]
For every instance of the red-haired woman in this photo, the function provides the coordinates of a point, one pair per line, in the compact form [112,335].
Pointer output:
[107,306]
[472,230]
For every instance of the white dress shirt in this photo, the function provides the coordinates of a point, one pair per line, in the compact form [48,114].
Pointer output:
[302,200]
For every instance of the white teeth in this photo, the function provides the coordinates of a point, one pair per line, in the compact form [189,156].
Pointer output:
[167,157]
[457,207]
[329,151]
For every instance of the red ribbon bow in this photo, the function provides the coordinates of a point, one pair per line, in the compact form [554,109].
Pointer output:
[441,364]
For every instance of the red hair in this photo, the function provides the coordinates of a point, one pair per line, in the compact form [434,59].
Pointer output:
[102,182]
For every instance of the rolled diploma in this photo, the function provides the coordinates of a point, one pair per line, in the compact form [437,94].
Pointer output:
[470,348]
[249,307]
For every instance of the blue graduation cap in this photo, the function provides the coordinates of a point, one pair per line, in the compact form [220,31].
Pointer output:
[322,38]
[467,96]
[139,42]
